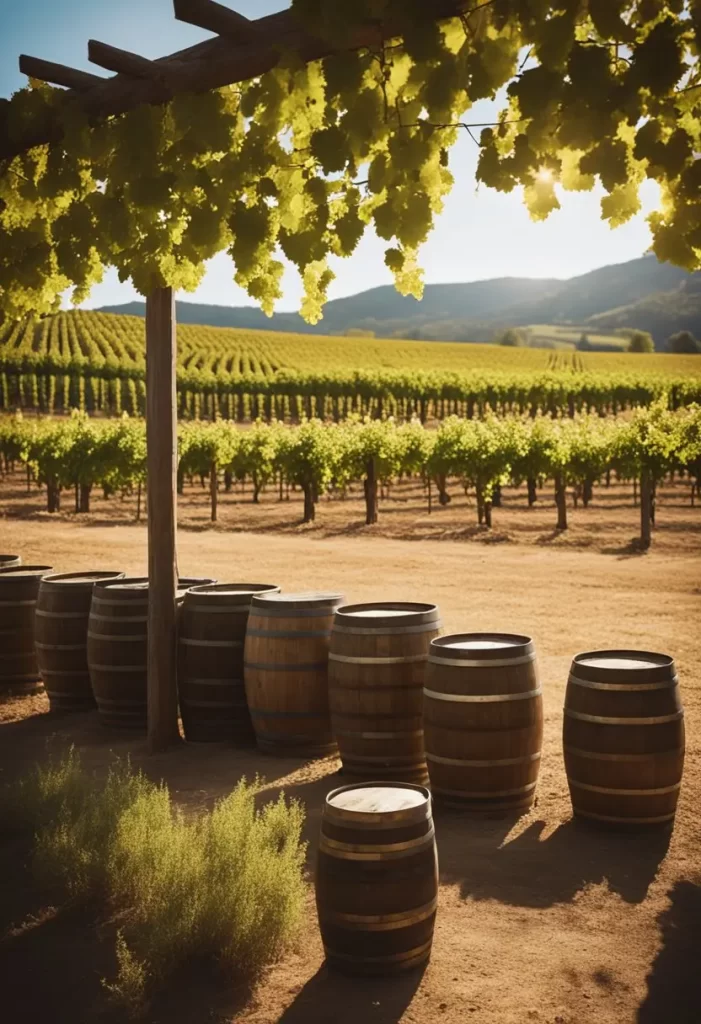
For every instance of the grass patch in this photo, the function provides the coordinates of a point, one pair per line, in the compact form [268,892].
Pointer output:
[226,884]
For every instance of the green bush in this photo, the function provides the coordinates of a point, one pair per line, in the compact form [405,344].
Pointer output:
[226,884]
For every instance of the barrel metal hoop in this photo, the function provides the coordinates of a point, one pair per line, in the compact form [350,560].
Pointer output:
[290,634]
[61,615]
[623,687]
[64,672]
[470,794]
[482,698]
[394,958]
[365,851]
[596,755]
[625,792]
[59,647]
[379,735]
[293,613]
[258,713]
[625,821]
[264,666]
[17,604]
[196,681]
[187,642]
[119,618]
[605,720]
[232,609]
[527,759]
[210,703]
[405,759]
[426,627]
[523,659]
[118,638]
[407,659]
[120,604]
[118,668]
[381,922]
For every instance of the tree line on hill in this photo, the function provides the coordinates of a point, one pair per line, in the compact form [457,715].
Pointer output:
[679,343]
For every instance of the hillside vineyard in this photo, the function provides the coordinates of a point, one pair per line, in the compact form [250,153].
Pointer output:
[96,362]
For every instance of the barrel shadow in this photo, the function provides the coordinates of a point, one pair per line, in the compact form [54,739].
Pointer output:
[529,871]
[674,981]
[330,996]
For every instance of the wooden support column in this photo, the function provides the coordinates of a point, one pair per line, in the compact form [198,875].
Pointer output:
[162,442]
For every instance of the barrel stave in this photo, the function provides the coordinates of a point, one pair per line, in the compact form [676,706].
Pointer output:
[211,685]
[483,722]
[117,652]
[377,888]
[19,587]
[377,667]
[286,673]
[623,737]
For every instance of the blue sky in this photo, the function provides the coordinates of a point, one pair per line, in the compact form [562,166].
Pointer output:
[481,234]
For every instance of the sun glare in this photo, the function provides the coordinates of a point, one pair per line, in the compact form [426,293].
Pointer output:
[544,175]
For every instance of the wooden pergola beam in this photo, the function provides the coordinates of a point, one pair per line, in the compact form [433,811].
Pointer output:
[215,18]
[57,74]
[209,65]
[122,62]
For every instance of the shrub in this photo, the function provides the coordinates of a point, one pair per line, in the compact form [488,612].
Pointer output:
[683,343]
[641,341]
[512,337]
[226,884]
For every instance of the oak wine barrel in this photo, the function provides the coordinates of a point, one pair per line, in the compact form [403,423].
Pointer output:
[19,586]
[211,635]
[377,878]
[117,649]
[286,672]
[377,664]
[623,737]
[483,721]
[61,635]
[10,561]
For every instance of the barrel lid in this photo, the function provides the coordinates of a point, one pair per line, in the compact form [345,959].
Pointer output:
[72,578]
[194,581]
[10,558]
[379,802]
[17,571]
[622,665]
[303,599]
[484,646]
[126,583]
[241,590]
[382,615]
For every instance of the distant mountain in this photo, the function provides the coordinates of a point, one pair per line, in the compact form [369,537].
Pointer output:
[642,293]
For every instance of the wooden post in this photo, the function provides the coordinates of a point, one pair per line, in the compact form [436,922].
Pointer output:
[645,509]
[161,460]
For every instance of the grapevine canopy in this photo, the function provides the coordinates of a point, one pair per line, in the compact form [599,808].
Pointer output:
[305,156]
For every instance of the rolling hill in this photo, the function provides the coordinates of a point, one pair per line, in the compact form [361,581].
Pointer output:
[642,293]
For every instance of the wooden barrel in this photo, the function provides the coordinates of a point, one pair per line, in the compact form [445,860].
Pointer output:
[623,737]
[483,721]
[117,649]
[286,672]
[19,586]
[211,635]
[10,561]
[377,878]
[61,634]
[377,664]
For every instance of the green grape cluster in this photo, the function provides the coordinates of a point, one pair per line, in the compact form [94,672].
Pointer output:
[303,159]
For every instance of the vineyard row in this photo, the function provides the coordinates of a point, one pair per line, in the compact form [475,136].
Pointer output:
[483,454]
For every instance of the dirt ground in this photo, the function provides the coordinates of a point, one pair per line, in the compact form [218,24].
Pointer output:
[540,920]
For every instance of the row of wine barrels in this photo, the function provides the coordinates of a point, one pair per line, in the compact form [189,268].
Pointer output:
[377,878]
[19,587]
[117,648]
[61,637]
[211,636]
[623,737]
[286,672]
[483,721]
[10,561]
[377,664]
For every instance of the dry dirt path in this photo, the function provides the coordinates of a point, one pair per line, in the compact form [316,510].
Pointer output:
[543,922]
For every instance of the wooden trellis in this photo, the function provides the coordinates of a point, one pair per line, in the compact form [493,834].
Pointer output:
[241,50]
